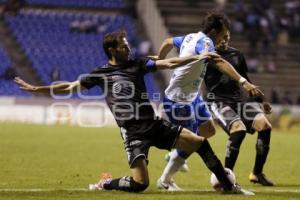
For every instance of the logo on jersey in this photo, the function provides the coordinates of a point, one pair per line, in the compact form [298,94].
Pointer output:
[126,86]
[117,88]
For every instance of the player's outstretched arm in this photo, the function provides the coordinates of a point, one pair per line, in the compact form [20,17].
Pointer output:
[60,88]
[164,49]
[175,62]
[226,68]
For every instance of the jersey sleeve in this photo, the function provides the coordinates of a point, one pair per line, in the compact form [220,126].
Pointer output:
[177,41]
[204,45]
[147,65]
[90,80]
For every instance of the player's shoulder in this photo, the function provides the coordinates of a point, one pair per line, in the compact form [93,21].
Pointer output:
[203,37]
[138,61]
[99,69]
[204,40]
[204,43]
[140,64]
[190,36]
[234,50]
[106,68]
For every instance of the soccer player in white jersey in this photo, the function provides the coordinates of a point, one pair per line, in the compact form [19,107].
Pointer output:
[182,103]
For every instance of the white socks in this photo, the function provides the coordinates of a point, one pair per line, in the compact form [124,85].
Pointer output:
[172,167]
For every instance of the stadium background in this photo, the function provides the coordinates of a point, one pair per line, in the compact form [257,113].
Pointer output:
[44,41]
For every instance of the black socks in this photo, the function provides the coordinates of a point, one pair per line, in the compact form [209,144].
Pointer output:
[214,164]
[262,150]
[233,148]
[125,183]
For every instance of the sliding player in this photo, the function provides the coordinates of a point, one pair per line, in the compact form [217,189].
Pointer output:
[122,81]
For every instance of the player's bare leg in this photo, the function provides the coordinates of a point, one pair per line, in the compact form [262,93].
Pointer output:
[263,127]
[207,129]
[140,172]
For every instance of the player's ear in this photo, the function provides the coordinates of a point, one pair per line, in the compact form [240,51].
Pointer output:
[112,51]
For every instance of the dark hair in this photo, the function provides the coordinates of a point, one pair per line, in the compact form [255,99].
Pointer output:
[112,40]
[215,21]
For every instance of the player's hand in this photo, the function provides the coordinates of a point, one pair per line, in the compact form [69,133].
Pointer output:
[25,86]
[267,107]
[208,55]
[252,89]
[153,57]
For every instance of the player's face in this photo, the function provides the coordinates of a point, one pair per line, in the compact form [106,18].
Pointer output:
[122,52]
[222,39]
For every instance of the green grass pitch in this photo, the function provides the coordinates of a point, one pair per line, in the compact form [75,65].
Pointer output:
[60,162]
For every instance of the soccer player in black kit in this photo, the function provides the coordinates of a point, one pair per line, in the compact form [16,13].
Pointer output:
[235,115]
[122,81]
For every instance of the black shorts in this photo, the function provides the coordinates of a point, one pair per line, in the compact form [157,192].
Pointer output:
[139,136]
[226,114]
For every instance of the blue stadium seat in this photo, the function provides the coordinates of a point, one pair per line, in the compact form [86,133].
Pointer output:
[46,39]
[80,3]
[8,87]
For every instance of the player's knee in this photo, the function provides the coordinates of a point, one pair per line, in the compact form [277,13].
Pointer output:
[267,126]
[207,130]
[211,131]
[139,187]
[235,140]
[261,123]
[188,142]
[195,143]
[237,126]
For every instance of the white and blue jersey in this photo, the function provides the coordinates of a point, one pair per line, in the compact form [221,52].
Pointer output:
[185,83]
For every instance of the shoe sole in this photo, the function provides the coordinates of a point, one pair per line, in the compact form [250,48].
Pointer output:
[257,182]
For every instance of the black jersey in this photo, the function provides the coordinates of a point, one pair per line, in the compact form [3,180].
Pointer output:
[124,89]
[221,87]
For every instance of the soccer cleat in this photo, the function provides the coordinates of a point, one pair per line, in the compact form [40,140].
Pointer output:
[168,186]
[261,179]
[183,168]
[105,177]
[237,189]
